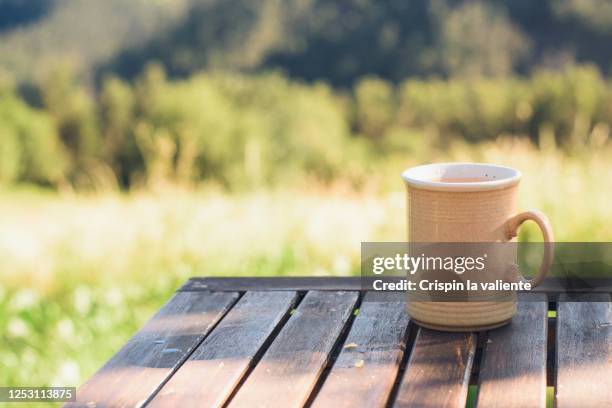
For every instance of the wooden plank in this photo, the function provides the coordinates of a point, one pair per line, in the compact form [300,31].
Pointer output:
[214,369]
[301,283]
[365,370]
[438,371]
[354,283]
[130,377]
[290,368]
[584,353]
[513,369]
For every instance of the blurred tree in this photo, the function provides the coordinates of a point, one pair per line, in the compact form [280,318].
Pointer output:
[478,39]
[596,14]
[342,41]
[375,106]
[30,149]
[116,112]
[72,108]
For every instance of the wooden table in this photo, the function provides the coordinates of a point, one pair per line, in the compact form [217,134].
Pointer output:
[321,342]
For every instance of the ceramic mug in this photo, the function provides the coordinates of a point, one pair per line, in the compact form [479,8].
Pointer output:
[468,202]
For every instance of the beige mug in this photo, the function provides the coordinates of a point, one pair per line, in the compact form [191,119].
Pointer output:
[468,202]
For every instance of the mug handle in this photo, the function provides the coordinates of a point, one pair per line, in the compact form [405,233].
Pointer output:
[539,218]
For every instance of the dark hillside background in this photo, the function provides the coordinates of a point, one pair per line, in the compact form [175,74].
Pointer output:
[15,13]
[310,39]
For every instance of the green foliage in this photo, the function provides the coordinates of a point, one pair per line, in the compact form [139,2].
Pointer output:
[570,103]
[30,149]
[375,105]
[238,130]
[595,14]
[73,109]
[479,40]
[245,131]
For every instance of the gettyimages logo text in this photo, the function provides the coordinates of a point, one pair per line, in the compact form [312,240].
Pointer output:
[412,264]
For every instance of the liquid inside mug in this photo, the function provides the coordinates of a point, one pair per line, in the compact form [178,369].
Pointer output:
[463,203]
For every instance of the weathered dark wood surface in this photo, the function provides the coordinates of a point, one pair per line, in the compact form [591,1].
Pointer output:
[367,366]
[274,283]
[438,371]
[514,358]
[131,377]
[289,370]
[551,286]
[214,369]
[584,353]
[219,342]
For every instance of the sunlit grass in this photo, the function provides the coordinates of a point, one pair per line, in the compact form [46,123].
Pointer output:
[81,274]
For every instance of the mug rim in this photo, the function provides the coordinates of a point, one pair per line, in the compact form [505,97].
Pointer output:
[499,177]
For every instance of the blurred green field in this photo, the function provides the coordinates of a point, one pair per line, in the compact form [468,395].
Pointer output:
[81,272]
